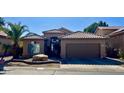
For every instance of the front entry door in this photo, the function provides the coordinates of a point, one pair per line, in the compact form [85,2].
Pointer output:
[52,47]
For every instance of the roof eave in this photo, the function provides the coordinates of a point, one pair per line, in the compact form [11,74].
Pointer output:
[82,38]
[115,34]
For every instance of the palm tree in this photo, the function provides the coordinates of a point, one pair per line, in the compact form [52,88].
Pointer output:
[15,32]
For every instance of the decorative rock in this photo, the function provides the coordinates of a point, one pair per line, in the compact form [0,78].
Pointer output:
[40,57]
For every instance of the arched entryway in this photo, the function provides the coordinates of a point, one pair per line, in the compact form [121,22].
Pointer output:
[52,47]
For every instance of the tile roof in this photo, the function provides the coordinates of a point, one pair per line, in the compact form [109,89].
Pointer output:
[80,35]
[32,36]
[111,27]
[3,34]
[60,30]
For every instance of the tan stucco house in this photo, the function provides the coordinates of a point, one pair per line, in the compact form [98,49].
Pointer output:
[67,44]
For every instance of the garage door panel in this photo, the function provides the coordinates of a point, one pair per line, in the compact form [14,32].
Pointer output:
[82,50]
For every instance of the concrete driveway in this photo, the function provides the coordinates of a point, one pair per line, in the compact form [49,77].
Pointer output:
[92,61]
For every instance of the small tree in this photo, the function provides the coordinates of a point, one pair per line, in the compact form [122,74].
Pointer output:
[92,28]
[121,54]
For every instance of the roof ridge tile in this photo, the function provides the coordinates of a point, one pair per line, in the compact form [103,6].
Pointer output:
[82,35]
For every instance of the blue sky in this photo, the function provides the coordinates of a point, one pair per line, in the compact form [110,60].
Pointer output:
[39,24]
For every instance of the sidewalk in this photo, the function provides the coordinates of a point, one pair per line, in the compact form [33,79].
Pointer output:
[66,70]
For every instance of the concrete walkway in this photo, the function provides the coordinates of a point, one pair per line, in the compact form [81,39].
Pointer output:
[66,70]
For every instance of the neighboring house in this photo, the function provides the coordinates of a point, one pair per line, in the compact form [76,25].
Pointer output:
[103,31]
[4,39]
[67,44]
[114,34]
[116,39]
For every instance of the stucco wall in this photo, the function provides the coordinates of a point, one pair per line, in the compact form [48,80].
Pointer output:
[117,41]
[74,41]
[25,46]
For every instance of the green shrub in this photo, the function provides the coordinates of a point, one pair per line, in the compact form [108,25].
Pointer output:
[121,54]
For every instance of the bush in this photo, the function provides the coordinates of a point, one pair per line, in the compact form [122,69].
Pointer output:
[121,54]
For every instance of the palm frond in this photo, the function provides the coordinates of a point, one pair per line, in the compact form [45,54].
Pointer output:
[15,31]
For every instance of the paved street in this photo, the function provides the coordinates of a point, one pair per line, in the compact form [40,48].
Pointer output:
[66,70]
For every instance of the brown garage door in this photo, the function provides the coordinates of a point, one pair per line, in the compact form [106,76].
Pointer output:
[82,50]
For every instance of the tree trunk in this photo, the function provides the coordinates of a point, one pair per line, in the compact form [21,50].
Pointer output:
[15,51]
